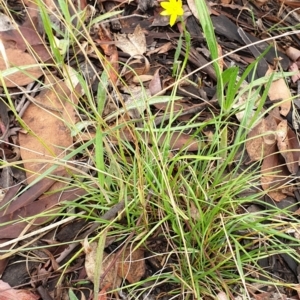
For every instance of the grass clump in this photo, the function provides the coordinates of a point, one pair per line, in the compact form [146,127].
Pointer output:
[195,204]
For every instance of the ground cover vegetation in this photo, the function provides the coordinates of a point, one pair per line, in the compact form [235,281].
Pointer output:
[149,149]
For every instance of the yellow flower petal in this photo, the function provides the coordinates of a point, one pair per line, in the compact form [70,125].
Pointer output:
[166,5]
[180,11]
[173,19]
[164,13]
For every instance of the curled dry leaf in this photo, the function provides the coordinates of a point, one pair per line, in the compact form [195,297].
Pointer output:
[111,280]
[194,212]
[293,53]
[111,53]
[294,68]
[279,91]
[19,59]
[155,84]
[162,49]
[275,176]
[142,78]
[129,265]
[261,139]
[136,67]
[288,146]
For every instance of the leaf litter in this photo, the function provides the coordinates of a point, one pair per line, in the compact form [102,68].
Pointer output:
[144,42]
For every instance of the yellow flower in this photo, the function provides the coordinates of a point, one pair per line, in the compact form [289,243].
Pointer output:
[173,8]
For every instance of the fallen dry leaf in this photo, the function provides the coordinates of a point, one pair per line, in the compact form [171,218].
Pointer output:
[102,294]
[293,53]
[294,68]
[180,140]
[111,53]
[133,44]
[222,296]
[142,78]
[194,212]
[155,84]
[8,293]
[131,265]
[20,38]
[279,91]
[111,280]
[162,49]
[275,175]
[33,208]
[19,59]
[259,144]
[138,95]
[49,137]
[260,3]
[288,146]
[33,19]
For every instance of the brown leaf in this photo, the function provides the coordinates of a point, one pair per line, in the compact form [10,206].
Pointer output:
[20,38]
[280,91]
[260,3]
[294,68]
[155,84]
[180,140]
[274,176]
[18,58]
[142,78]
[288,146]
[33,208]
[131,265]
[293,53]
[26,198]
[259,144]
[48,135]
[111,280]
[133,44]
[111,53]
[103,294]
[8,293]
[33,19]
[162,49]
